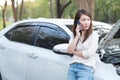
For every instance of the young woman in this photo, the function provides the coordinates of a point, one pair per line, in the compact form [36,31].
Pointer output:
[83,46]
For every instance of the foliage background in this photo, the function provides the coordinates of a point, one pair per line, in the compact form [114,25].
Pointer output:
[105,10]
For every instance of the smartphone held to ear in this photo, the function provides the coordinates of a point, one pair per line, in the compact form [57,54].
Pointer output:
[78,24]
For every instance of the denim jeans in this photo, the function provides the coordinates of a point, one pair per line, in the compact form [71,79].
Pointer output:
[78,71]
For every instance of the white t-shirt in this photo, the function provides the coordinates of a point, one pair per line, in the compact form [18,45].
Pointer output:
[88,49]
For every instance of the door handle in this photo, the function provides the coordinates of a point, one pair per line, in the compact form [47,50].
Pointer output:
[32,55]
[2,47]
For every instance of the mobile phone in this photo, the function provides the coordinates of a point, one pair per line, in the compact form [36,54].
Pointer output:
[78,24]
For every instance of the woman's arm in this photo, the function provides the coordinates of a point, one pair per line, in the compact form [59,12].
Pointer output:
[73,42]
[88,52]
[72,45]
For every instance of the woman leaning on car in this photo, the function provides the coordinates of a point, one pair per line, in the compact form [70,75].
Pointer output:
[83,46]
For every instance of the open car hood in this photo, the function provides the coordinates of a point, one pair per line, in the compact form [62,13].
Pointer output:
[112,37]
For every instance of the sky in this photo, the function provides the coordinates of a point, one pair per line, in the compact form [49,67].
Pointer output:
[3,1]
[9,1]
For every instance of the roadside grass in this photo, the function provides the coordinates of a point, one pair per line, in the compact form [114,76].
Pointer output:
[1,24]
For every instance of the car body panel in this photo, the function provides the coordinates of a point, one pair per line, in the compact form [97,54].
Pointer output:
[33,62]
[46,64]
[12,61]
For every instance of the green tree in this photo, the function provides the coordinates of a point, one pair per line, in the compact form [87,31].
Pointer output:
[3,13]
[61,5]
[88,5]
[107,10]
[39,8]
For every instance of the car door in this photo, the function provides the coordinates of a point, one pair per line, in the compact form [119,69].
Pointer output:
[13,51]
[43,63]
[13,62]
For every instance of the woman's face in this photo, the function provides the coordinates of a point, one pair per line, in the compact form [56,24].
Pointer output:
[85,22]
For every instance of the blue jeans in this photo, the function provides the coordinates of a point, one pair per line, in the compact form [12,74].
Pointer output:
[78,71]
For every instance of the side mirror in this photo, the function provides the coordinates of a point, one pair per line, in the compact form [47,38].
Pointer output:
[61,49]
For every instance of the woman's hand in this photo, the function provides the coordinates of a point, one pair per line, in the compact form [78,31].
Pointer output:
[78,28]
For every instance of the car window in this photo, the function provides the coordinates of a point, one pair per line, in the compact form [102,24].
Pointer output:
[69,26]
[23,34]
[50,35]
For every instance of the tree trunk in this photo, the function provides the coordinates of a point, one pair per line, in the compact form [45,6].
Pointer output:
[3,13]
[61,7]
[51,9]
[14,10]
[58,8]
[88,5]
[21,10]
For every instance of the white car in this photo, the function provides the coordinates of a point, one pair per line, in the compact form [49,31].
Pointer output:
[36,49]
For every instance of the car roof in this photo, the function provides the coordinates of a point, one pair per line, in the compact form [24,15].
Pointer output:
[98,24]
[53,21]
[61,20]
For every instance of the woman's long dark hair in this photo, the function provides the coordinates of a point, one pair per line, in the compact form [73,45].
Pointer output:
[79,13]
